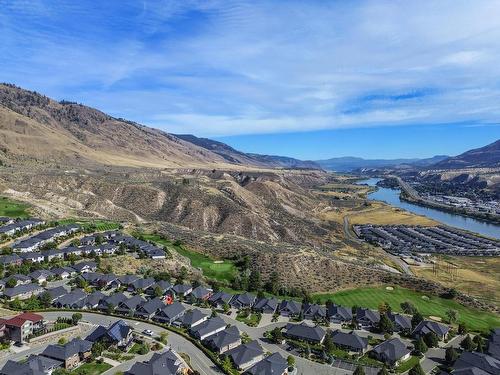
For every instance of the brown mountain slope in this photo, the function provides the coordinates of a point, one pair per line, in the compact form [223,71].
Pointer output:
[38,129]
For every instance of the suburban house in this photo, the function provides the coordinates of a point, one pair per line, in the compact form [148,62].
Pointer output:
[199,294]
[55,293]
[274,364]
[41,276]
[84,267]
[34,365]
[225,340]
[128,306]
[93,300]
[266,305]
[314,312]
[70,354]
[118,334]
[170,313]
[400,322]
[12,259]
[493,347]
[24,291]
[166,363]
[246,355]
[112,301]
[73,251]
[71,299]
[141,284]
[305,332]
[127,280]
[163,285]
[182,290]
[350,341]
[339,314]
[476,363]
[149,308]
[289,308]
[52,254]
[20,279]
[391,352]
[208,328]
[426,326]
[243,301]
[18,226]
[192,318]
[367,318]
[63,272]
[22,326]
[219,299]
[32,257]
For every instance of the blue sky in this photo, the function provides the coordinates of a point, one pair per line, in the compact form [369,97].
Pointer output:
[313,79]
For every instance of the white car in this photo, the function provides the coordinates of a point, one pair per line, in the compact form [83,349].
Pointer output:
[148,332]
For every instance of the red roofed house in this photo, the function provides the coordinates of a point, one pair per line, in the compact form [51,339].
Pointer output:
[24,325]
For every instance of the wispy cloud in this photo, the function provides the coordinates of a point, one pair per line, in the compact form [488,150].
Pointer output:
[241,67]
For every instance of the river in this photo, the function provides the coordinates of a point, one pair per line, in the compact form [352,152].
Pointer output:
[391,196]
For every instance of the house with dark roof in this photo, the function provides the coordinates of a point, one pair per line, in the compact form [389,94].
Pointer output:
[70,300]
[55,293]
[170,313]
[22,292]
[219,299]
[426,326]
[93,299]
[34,365]
[111,302]
[305,332]
[22,326]
[70,354]
[166,363]
[476,360]
[246,355]
[366,318]
[274,364]
[163,285]
[313,311]
[339,314]
[141,284]
[41,276]
[350,341]
[118,334]
[52,254]
[32,257]
[191,318]
[289,308]
[83,267]
[266,305]
[208,328]
[493,345]
[224,340]
[199,294]
[400,322]
[127,280]
[129,306]
[12,259]
[148,309]
[391,352]
[63,272]
[20,279]
[182,290]
[243,301]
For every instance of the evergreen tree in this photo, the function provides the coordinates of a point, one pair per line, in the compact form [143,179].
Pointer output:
[416,370]
[254,281]
[383,371]
[467,344]
[431,339]
[385,325]
[480,346]
[416,319]
[329,344]
[462,329]
[359,371]
[420,346]
[451,355]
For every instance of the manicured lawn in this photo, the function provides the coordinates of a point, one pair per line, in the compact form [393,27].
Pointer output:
[407,365]
[223,270]
[251,320]
[428,305]
[92,368]
[135,348]
[97,225]
[12,208]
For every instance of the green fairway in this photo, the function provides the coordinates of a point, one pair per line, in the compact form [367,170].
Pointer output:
[428,305]
[94,225]
[12,208]
[222,270]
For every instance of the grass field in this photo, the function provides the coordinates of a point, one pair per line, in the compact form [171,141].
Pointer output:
[428,305]
[11,208]
[383,214]
[222,270]
[408,364]
[97,225]
[92,368]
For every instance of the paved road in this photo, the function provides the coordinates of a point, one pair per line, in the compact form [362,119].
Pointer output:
[199,360]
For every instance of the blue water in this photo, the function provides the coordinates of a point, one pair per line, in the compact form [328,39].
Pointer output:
[391,196]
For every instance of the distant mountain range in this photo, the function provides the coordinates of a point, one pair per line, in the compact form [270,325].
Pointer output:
[237,157]
[351,163]
[483,157]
